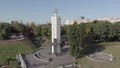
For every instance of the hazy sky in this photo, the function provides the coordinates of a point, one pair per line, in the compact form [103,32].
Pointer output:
[40,11]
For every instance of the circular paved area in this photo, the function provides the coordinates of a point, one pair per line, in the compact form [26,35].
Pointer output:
[101,57]
[42,58]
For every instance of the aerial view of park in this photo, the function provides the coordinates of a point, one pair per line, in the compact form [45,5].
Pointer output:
[59,34]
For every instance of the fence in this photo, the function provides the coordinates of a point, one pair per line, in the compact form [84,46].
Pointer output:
[21,60]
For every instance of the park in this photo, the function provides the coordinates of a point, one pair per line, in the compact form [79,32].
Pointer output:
[90,45]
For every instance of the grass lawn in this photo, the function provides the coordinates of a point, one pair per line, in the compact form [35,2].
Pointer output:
[114,50]
[10,49]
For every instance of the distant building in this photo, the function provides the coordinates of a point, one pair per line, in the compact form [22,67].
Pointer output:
[110,19]
[12,22]
[82,19]
[70,22]
[79,20]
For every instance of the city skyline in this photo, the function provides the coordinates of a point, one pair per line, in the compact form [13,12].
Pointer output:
[39,11]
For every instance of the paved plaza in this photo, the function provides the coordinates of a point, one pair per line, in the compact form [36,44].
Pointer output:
[44,54]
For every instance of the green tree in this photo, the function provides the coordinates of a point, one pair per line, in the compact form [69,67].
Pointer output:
[46,31]
[72,34]
[5,33]
[102,29]
[87,40]
[80,39]
[17,27]
[34,28]
[4,30]
[115,32]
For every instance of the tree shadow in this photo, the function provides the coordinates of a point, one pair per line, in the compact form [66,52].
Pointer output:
[65,50]
[97,48]
[94,48]
[37,44]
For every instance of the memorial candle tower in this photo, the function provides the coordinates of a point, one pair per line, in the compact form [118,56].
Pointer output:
[56,32]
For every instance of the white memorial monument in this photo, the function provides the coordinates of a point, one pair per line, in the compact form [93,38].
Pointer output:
[44,56]
[56,32]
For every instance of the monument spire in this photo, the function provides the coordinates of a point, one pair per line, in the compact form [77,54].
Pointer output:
[56,12]
[56,39]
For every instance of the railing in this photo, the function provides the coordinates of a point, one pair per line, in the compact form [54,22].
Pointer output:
[21,60]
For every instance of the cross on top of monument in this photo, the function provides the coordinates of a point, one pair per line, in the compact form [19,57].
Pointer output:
[56,11]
